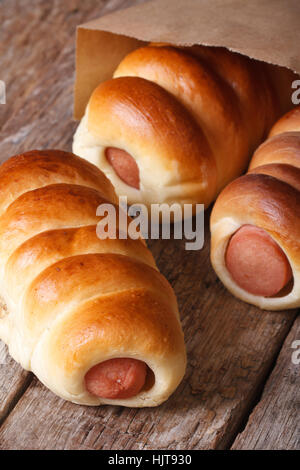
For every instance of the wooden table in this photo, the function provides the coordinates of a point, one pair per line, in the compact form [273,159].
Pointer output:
[240,388]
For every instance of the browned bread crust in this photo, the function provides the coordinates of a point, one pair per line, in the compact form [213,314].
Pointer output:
[189,117]
[267,197]
[71,299]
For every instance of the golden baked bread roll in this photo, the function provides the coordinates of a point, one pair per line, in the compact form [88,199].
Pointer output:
[177,124]
[93,319]
[255,223]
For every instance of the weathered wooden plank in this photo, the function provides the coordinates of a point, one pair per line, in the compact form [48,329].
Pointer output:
[31,42]
[274,423]
[13,382]
[231,345]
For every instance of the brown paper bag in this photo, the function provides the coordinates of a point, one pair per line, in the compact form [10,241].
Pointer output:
[267,30]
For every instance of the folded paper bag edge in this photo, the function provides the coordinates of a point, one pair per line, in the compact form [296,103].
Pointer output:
[261,29]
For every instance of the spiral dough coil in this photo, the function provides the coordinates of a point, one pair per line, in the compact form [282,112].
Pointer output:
[70,300]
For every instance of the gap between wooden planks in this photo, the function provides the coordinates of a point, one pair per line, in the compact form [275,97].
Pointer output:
[231,345]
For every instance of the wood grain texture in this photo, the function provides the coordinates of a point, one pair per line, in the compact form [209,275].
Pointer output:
[275,421]
[32,42]
[231,345]
[13,382]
